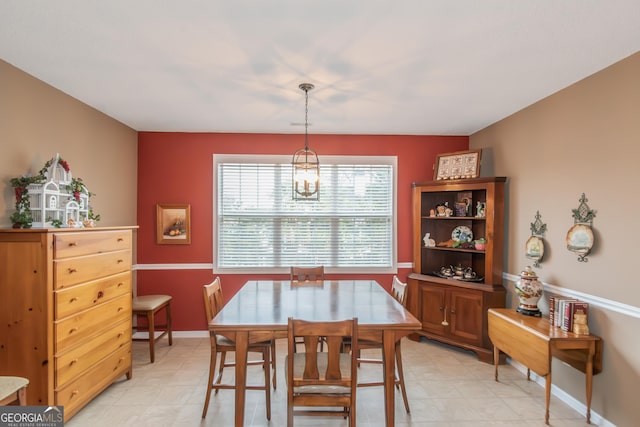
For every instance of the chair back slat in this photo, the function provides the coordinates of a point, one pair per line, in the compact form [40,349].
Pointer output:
[334,332]
[213,299]
[307,274]
[399,290]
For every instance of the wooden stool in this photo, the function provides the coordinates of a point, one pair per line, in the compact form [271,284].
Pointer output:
[13,389]
[149,305]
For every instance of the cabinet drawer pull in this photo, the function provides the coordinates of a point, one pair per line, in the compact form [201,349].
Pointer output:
[120,239]
[120,284]
[120,261]
[74,393]
[120,308]
[72,270]
[73,243]
[100,294]
[74,299]
[73,362]
[72,330]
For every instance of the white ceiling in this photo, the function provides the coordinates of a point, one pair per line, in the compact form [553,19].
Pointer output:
[440,67]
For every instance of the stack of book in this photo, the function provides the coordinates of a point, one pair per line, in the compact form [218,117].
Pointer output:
[562,311]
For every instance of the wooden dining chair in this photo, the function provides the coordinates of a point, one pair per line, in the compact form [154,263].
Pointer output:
[307,274]
[316,380]
[148,306]
[301,276]
[213,303]
[13,390]
[398,291]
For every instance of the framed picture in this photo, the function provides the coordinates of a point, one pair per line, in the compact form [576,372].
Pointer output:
[173,224]
[458,165]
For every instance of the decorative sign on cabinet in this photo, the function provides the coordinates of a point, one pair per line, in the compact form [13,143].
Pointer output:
[65,311]
[456,281]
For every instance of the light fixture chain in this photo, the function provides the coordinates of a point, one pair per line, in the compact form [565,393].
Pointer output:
[306,119]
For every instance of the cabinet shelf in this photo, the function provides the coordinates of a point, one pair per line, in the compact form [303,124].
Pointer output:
[444,248]
[454,218]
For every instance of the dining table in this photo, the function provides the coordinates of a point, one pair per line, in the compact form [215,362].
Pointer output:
[260,310]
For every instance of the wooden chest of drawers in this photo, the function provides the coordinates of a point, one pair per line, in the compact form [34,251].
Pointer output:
[65,311]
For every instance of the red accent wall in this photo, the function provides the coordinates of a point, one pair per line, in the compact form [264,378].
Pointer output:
[178,168]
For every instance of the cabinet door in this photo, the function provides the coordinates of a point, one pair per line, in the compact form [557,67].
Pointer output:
[466,315]
[433,309]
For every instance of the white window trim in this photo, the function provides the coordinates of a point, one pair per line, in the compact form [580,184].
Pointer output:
[271,159]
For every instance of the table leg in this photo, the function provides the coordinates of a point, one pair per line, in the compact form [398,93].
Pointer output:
[496,360]
[589,376]
[547,396]
[389,366]
[242,345]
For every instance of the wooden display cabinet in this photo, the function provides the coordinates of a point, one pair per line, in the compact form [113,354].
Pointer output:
[454,310]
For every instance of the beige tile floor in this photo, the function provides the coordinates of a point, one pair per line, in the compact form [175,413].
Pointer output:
[446,387]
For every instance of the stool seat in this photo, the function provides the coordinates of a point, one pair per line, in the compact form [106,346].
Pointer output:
[13,389]
[149,302]
[149,305]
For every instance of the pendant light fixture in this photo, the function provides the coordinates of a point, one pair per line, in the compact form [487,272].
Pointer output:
[305,164]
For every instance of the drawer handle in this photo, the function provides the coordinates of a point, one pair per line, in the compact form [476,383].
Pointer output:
[73,244]
[120,239]
[73,362]
[72,330]
[120,261]
[120,284]
[120,308]
[118,364]
[72,270]
[100,294]
[74,299]
[74,393]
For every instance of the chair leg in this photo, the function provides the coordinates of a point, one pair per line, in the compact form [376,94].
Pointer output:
[218,379]
[273,361]
[212,370]
[267,379]
[152,335]
[401,377]
[169,331]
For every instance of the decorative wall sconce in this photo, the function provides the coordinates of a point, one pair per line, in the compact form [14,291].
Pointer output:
[580,238]
[534,247]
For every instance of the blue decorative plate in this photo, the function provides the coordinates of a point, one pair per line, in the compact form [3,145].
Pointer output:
[462,233]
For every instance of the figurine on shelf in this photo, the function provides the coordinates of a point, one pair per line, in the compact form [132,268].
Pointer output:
[428,241]
[443,209]
[480,209]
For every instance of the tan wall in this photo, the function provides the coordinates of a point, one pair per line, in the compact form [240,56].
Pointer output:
[583,139]
[37,121]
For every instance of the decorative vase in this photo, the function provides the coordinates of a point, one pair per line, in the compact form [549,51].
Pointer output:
[529,291]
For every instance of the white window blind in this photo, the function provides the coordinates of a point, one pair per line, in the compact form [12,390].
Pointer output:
[259,226]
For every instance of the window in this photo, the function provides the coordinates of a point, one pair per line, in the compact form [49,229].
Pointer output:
[259,228]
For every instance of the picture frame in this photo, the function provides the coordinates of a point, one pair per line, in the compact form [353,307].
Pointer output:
[173,224]
[457,165]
